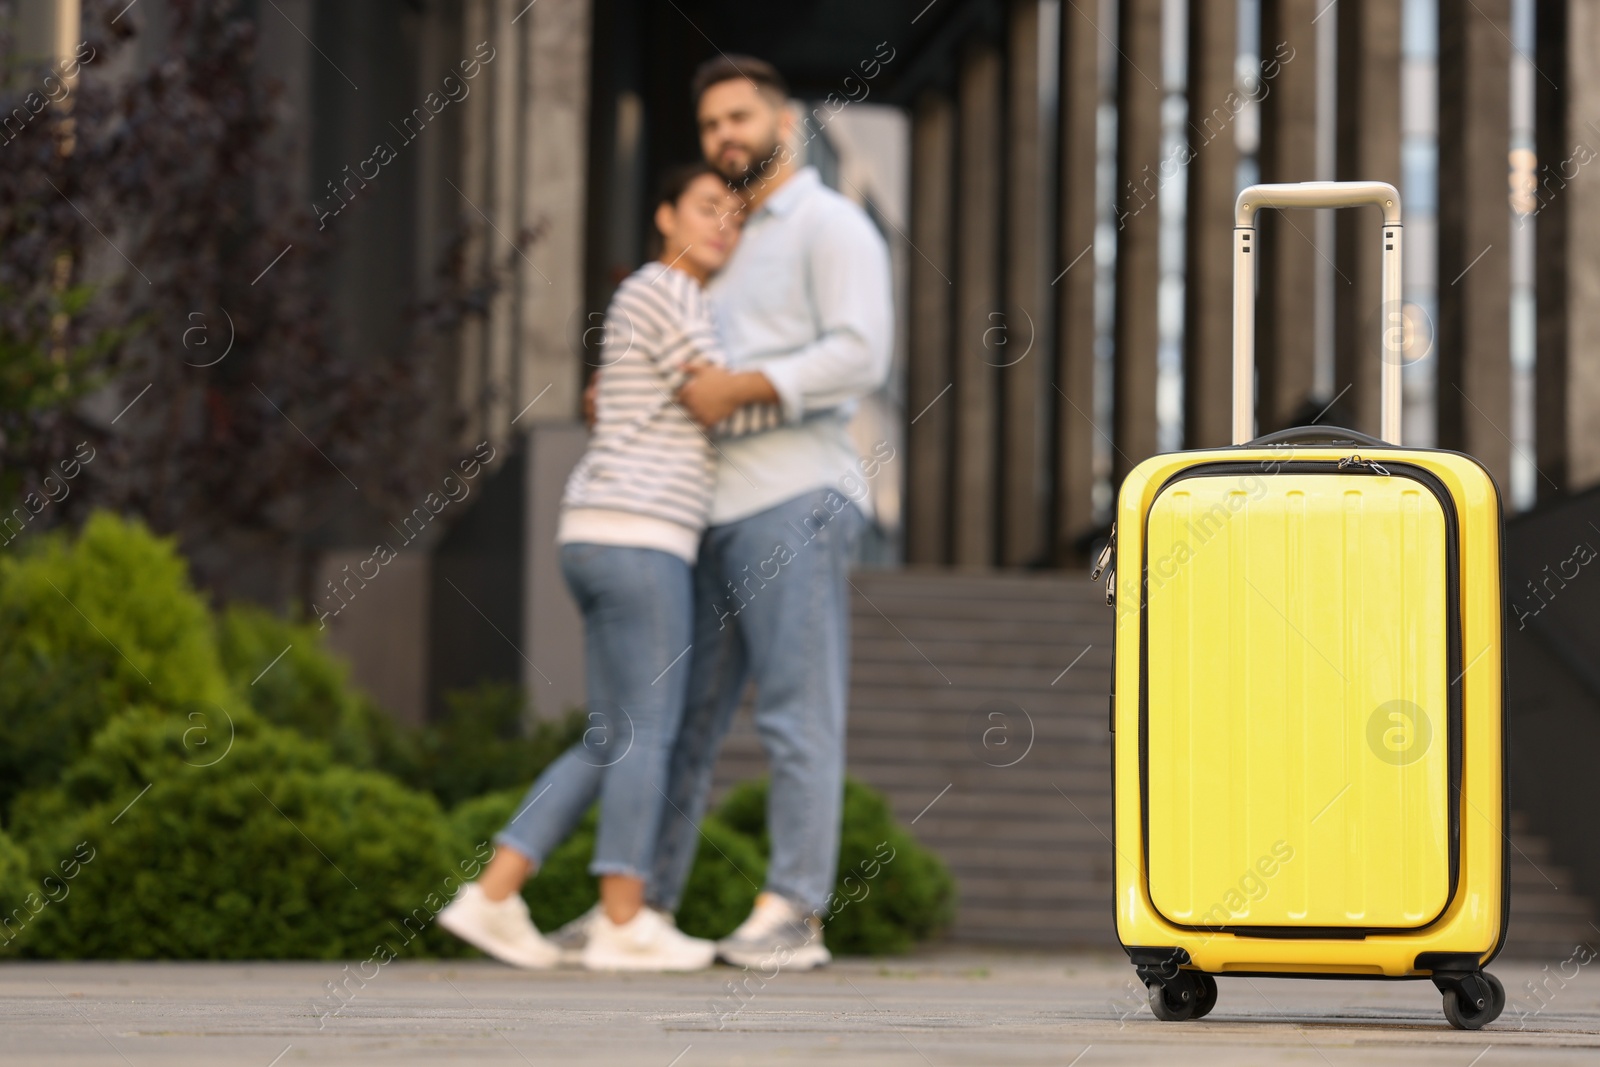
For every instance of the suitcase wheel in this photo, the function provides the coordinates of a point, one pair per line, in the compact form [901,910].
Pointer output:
[1470,1005]
[1188,995]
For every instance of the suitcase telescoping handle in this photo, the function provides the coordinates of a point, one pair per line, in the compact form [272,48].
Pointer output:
[1312,194]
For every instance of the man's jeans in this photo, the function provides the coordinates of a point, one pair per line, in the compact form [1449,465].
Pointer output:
[771,603]
[636,620]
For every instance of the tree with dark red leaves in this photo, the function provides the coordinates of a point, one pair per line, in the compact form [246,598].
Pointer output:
[139,214]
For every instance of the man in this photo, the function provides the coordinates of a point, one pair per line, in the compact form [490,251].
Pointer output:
[806,311]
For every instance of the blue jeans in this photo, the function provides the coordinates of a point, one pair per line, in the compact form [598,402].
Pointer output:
[636,621]
[771,603]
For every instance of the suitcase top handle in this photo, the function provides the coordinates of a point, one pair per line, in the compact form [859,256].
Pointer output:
[1381,195]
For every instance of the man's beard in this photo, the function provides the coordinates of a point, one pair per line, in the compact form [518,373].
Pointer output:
[742,177]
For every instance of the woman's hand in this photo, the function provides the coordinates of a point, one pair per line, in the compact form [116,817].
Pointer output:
[713,392]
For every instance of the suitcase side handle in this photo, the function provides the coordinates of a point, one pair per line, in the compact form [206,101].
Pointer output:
[1315,195]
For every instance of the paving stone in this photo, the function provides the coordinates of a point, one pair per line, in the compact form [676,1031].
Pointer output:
[944,1007]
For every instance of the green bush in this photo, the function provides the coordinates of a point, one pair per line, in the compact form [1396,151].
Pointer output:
[14,888]
[91,625]
[308,689]
[202,805]
[484,744]
[256,845]
[87,628]
[480,745]
[728,869]
[891,891]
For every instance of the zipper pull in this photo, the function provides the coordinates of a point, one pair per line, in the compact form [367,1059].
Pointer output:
[1105,556]
[1105,565]
[1362,464]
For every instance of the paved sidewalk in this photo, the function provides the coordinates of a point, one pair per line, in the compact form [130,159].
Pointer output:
[948,1007]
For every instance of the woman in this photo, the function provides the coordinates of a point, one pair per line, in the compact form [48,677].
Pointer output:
[631,519]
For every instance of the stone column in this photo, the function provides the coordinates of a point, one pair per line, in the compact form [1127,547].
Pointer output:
[439,54]
[554,135]
[45,29]
[1368,150]
[1287,274]
[1474,326]
[1138,230]
[548,142]
[551,652]
[1213,167]
[978,307]
[507,193]
[929,376]
[1072,389]
[1023,403]
[1581,383]
[472,187]
[1553,145]
[282,55]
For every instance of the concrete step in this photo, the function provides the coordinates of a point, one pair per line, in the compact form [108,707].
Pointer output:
[1003,924]
[1060,728]
[1004,681]
[1539,882]
[917,627]
[954,585]
[873,646]
[950,754]
[958,698]
[981,855]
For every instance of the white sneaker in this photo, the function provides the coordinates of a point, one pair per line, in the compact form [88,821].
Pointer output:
[501,928]
[777,932]
[646,942]
[574,935]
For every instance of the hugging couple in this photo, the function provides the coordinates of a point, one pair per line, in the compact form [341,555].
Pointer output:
[734,362]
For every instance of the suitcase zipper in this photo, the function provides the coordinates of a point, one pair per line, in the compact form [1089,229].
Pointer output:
[1357,463]
[1106,560]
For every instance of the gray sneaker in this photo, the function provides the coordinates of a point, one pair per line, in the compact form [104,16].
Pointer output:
[777,933]
[573,938]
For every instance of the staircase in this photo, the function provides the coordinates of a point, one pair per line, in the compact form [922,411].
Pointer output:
[1549,916]
[979,708]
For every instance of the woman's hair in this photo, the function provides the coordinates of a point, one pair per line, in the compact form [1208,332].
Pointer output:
[674,183]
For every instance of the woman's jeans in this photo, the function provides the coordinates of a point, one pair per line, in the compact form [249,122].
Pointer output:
[637,605]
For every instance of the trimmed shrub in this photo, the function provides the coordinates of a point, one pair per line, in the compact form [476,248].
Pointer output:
[14,890]
[87,628]
[308,689]
[728,869]
[92,625]
[891,891]
[254,845]
[483,744]
[187,805]
[479,746]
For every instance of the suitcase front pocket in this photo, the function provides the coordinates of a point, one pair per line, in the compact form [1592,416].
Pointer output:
[1299,740]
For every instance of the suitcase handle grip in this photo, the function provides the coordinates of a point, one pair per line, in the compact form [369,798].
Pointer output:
[1315,195]
[1316,435]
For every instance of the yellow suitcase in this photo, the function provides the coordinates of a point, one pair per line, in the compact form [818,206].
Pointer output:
[1307,696]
